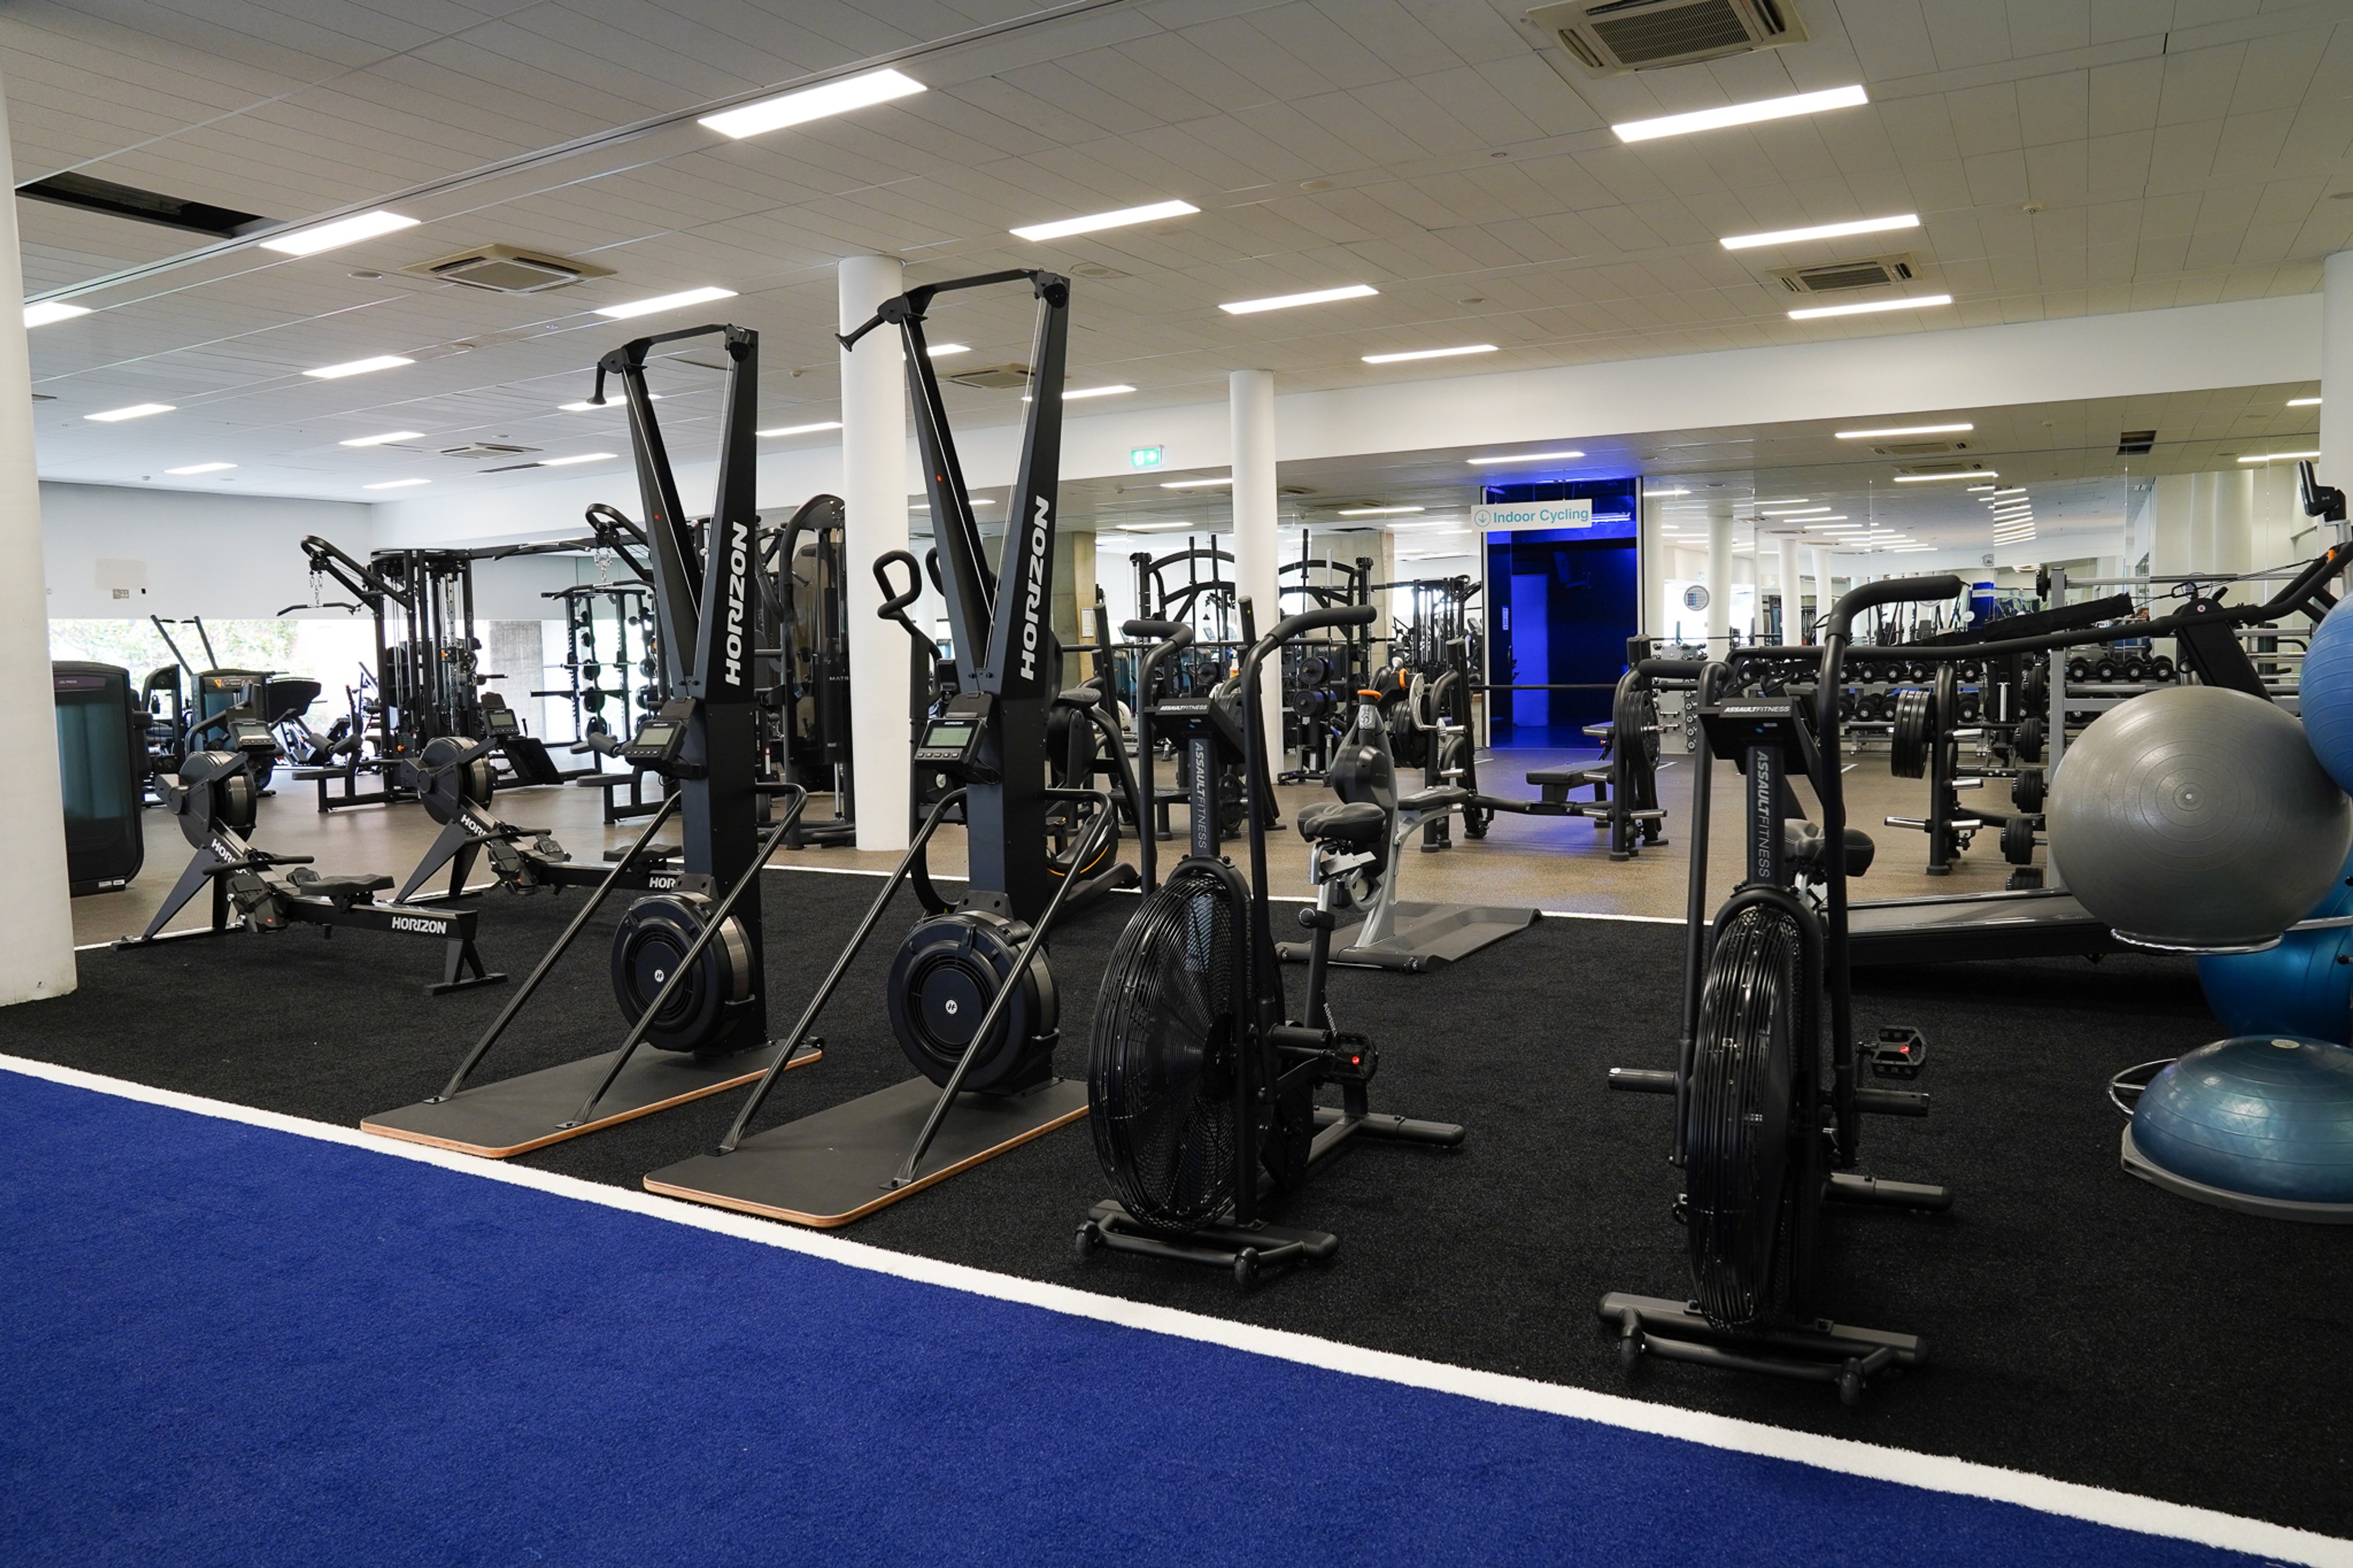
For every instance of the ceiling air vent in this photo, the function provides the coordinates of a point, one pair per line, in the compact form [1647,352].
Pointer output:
[994,377]
[97,195]
[479,449]
[2135,443]
[1610,37]
[1924,470]
[1920,448]
[505,269]
[1836,277]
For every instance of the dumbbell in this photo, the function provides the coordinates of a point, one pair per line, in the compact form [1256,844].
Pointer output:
[2079,668]
[2106,671]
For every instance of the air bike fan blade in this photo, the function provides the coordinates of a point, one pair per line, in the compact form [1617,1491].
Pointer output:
[1739,1156]
[1163,1102]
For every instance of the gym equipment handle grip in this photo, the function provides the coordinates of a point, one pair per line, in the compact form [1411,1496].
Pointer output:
[1894,591]
[1314,620]
[1157,631]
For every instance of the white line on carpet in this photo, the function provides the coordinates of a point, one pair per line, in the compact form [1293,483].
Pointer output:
[1930,1472]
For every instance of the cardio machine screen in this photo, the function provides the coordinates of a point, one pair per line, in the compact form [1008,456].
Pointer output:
[655,735]
[947,737]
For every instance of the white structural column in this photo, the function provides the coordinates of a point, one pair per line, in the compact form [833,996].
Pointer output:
[1793,592]
[37,956]
[1256,554]
[1719,586]
[874,495]
[2336,464]
[1825,595]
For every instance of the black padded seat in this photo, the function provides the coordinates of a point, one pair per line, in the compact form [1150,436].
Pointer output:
[1577,775]
[1360,823]
[340,892]
[1443,798]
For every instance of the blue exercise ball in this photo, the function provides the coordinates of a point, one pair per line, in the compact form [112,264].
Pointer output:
[2303,986]
[2326,695]
[2266,1118]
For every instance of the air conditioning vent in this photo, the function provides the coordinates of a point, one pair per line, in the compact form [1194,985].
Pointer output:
[1926,468]
[1920,448]
[2135,443]
[1612,37]
[480,449]
[995,377]
[505,269]
[1837,276]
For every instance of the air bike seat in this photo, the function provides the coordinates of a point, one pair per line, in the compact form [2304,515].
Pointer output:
[1361,825]
[1358,841]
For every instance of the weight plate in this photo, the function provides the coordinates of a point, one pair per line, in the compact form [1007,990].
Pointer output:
[1908,757]
[2026,792]
[2018,840]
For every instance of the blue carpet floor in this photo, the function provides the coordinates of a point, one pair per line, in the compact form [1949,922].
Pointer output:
[226,1344]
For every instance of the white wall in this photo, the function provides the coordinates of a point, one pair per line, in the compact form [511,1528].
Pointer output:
[228,557]
[234,557]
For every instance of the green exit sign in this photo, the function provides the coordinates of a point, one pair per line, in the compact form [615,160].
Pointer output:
[1143,457]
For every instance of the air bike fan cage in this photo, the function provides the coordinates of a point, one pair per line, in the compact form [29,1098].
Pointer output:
[1203,1084]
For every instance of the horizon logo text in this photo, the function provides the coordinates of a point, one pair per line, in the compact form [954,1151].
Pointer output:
[739,570]
[1533,514]
[1033,603]
[410,923]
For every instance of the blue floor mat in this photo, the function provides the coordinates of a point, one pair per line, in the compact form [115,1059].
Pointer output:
[222,1343]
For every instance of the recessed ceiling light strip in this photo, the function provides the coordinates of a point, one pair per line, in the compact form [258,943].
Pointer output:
[562,151]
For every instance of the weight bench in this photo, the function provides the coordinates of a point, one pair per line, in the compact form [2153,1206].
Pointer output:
[1625,800]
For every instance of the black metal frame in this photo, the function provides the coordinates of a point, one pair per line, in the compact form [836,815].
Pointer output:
[1281,1063]
[1007,680]
[1773,738]
[705,591]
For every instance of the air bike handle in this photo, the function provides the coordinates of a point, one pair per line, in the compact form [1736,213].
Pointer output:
[1291,626]
[1894,591]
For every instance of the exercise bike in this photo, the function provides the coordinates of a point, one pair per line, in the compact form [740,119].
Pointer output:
[1763,1142]
[1202,1087]
[1401,935]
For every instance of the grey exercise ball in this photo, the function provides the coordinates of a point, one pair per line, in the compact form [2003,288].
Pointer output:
[2197,817]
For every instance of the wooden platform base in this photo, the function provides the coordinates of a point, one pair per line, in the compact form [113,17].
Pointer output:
[837,1166]
[516,1115]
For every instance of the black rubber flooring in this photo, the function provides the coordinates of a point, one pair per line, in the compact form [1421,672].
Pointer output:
[2082,1324]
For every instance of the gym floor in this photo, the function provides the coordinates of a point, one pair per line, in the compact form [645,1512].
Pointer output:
[1548,863]
[2088,1329]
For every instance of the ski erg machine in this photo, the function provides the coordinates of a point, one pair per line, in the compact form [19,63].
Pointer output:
[970,995]
[686,962]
